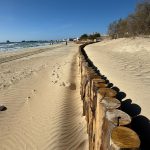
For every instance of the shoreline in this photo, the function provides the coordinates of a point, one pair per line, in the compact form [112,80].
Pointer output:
[6,54]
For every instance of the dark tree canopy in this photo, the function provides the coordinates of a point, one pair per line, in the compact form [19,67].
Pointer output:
[135,24]
[84,36]
[90,36]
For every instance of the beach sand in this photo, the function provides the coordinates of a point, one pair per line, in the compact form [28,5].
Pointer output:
[41,93]
[44,109]
[126,64]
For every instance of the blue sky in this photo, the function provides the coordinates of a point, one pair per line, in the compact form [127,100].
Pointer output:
[56,19]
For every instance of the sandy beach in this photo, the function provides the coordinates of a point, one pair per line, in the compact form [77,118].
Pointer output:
[125,62]
[41,90]
[41,93]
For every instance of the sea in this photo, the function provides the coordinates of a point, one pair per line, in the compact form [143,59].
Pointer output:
[14,46]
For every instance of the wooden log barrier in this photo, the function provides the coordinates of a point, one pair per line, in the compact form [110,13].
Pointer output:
[105,122]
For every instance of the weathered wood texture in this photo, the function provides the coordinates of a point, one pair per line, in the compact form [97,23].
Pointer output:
[105,122]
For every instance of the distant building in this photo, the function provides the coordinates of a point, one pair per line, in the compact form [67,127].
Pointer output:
[98,39]
[76,39]
[70,39]
[73,39]
[103,37]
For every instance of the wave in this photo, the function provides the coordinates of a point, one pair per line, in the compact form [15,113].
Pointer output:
[20,45]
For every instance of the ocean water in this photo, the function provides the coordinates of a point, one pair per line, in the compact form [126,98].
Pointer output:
[4,47]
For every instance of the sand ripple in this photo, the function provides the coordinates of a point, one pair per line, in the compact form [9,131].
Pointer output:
[42,115]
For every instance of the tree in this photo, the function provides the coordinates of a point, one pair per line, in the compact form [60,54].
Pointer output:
[96,35]
[142,14]
[90,36]
[135,24]
[84,37]
[112,29]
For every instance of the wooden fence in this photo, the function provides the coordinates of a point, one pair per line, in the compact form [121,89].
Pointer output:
[106,123]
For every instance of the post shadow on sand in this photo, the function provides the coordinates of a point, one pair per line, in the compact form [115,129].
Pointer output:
[140,124]
[130,108]
[120,94]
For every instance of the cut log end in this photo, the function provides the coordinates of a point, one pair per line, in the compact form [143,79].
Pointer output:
[107,92]
[124,138]
[97,79]
[111,103]
[118,117]
[100,85]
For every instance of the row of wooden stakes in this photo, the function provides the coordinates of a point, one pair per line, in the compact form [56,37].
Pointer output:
[106,123]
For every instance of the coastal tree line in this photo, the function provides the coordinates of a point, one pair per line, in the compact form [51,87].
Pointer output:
[135,24]
[90,36]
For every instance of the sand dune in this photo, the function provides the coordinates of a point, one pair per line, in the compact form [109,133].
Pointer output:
[44,110]
[125,63]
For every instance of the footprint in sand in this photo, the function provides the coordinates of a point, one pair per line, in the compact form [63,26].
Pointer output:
[67,84]
[28,97]
[72,86]
[57,76]
[55,81]
[63,84]
[34,91]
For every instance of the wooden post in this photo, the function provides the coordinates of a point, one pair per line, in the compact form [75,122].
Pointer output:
[124,138]
[107,92]
[111,103]
[114,114]
[100,117]
[93,90]
[104,121]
